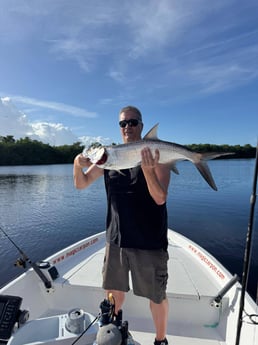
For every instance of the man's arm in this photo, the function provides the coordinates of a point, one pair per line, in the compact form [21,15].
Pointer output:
[83,179]
[157,176]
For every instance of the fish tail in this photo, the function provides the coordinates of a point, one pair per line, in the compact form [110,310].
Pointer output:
[203,167]
[204,170]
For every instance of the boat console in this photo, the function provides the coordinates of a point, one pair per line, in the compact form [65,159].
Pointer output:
[10,314]
[76,326]
[59,329]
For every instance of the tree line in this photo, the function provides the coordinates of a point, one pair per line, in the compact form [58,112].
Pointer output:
[26,151]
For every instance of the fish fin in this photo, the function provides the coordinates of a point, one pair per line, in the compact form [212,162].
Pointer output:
[204,169]
[152,134]
[174,169]
[172,166]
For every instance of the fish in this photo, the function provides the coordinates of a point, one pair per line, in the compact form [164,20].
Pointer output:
[128,155]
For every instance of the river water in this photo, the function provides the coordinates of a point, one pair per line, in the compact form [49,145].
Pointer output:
[42,212]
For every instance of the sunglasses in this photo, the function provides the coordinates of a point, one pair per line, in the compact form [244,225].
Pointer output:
[130,123]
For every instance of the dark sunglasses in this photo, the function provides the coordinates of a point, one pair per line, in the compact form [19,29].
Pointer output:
[130,123]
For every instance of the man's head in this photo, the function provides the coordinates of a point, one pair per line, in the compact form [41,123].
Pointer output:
[130,121]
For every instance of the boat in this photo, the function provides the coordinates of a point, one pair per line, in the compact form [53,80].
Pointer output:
[60,301]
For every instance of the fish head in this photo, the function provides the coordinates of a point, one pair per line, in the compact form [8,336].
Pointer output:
[97,155]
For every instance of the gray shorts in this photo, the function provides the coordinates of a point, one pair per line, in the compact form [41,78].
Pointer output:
[148,271]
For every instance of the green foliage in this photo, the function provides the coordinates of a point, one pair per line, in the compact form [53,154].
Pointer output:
[246,151]
[26,151]
[7,139]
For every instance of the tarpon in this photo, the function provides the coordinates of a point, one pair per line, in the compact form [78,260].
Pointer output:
[128,155]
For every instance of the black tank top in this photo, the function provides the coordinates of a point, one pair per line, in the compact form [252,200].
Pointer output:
[134,220]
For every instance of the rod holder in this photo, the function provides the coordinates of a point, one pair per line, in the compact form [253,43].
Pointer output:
[217,299]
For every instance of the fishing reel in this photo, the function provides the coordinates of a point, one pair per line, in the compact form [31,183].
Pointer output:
[21,262]
[112,330]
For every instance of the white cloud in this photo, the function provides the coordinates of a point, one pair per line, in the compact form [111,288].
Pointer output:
[15,123]
[59,107]
[87,140]
[53,133]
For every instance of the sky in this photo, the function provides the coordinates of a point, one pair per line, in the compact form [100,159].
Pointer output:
[68,67]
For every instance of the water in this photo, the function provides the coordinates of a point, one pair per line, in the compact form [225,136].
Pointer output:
[42,212]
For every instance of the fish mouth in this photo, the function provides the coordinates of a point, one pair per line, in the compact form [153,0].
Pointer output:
[103,159]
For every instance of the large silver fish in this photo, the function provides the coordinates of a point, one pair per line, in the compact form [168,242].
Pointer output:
[125,156]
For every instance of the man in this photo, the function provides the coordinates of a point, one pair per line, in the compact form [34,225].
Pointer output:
[136,224]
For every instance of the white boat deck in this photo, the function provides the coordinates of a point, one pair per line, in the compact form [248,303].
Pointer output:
[191,318]
[148,339]
[184,281]
[195,279]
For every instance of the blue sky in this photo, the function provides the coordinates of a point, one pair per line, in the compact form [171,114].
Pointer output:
[191,65]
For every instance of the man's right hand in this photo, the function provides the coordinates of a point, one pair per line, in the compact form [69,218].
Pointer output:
[82,161]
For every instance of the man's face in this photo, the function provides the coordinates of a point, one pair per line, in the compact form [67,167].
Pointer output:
[129,132]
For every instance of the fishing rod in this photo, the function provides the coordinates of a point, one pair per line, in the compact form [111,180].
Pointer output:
[24,258]
[247,255]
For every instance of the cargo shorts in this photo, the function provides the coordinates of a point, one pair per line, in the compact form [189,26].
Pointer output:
[148,270]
